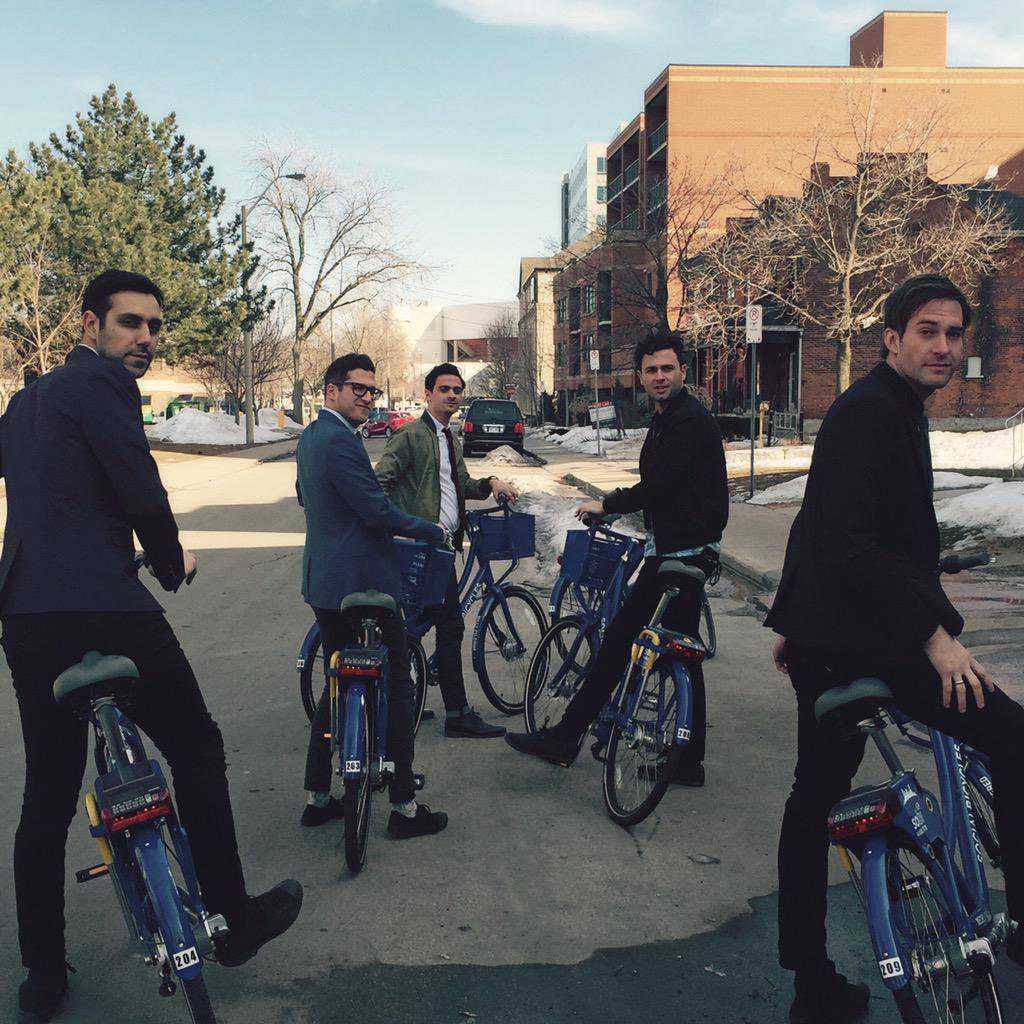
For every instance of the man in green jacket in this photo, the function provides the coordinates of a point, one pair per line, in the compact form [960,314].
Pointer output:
[423,473]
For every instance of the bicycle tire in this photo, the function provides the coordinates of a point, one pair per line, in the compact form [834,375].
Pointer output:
[418,671]
[313,669]
[504,657]
[541,710]
[983,806]
[708,634]
[919,922]
[666,755]
[197,999]
[356,801]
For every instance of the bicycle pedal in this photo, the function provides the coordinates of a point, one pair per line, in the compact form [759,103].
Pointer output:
[88,874]
[167,988]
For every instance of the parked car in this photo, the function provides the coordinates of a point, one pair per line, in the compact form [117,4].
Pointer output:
[383,423]
[491,422]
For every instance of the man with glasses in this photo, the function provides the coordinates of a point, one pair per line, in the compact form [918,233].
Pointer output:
[350,525]
[423,473]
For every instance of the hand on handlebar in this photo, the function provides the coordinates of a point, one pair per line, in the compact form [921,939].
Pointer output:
[957,670]
[589,508]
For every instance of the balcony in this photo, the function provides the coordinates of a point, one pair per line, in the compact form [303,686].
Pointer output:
[657,140]
[631,174]
[615,187]
[657,194]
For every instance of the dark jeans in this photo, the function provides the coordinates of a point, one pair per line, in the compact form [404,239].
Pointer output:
[825,769]
[335,633]
[449,629]
[682,615]
[166,703]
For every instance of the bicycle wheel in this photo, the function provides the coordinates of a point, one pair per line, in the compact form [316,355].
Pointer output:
[642,754]
[311,678]
[418,671]
[356,801]
[985,820]
[503,641]
[707,630]
[554,677]
[197,999]
[937,993]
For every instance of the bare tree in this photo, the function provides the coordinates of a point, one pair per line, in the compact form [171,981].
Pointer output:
[330,245]
[503,369]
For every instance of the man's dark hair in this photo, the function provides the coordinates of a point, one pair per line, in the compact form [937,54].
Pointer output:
[440,371]
[905,300]
[337,373]
[657,340]
[99,290]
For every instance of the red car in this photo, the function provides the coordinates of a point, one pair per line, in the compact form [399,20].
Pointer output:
[383,423]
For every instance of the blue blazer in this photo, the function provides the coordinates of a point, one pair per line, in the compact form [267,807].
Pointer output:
[350,522]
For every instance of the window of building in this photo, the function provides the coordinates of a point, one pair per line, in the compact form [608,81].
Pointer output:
[602,193]
[602,165]
[561,307]
[588,344]
[973,368]
[533,289]
[589,298]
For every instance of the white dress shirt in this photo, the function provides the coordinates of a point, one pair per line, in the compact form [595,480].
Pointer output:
[450,517]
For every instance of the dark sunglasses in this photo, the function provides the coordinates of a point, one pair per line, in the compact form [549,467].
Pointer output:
[361,390]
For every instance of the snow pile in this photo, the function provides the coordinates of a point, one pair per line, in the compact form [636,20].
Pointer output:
[584,441]
[792,491]
[995,510]
[191,426]
[506,455]
[976,449]
[268,418]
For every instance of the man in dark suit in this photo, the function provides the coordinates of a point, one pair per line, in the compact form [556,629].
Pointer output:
[860,596]
[350,526]
[79,480]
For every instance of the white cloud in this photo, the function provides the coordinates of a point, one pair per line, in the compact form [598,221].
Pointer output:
[980,45]
[590,17]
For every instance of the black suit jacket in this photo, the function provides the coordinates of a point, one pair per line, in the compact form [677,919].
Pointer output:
[683,489]
[80,479]
[860,571]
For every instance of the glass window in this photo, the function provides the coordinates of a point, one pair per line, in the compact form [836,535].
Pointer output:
[589,293]
[602,194]
[602,165]
[973,367]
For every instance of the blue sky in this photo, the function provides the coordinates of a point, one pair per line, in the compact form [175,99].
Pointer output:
[470,109]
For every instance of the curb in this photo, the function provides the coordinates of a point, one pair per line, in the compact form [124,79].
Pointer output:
[730,563]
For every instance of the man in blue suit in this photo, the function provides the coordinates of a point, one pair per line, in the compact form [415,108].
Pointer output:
[350,524]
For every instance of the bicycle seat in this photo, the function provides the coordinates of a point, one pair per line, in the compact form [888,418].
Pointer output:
[370,604]
[92,669]
[674,568]
[847,705]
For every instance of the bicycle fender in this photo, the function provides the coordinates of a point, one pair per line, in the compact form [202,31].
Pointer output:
[892,963]
[353,740]
[306,650]
[175,931]
[684,704]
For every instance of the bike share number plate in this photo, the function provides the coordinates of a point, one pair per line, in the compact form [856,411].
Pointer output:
[186,958]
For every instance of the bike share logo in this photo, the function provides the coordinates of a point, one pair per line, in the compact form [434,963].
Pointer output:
[474,594]
[185,959]
[891,968]
[968,803]
[906,795]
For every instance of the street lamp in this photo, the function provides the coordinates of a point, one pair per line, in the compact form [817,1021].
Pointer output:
[250,416]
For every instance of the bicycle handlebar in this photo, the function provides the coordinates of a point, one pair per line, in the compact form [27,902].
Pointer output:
[141,560]
[952,564]
[589,519]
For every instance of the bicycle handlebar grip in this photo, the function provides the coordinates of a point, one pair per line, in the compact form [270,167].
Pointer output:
[952,564]
[589,519]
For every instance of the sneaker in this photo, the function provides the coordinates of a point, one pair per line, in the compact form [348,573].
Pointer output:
[547,744]
[41,994]
[265,918]
[427,715]
[313,815]
[834,1001]
[472,726]
[426,823]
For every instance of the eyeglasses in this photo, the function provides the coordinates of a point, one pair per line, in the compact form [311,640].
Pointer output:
[361,390]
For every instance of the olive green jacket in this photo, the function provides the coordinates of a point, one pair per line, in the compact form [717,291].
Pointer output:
[408,472]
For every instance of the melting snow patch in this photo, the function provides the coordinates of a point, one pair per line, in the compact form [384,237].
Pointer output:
[791,491]
[191,426]
[995,510]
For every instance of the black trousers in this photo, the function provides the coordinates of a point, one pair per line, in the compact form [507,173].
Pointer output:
[825,769]
[166,703]
[335,633]
[449,630]
[682,615]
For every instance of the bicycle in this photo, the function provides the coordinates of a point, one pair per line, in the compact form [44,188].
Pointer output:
[641,730]
[510,621]
[143,846]
[922,877]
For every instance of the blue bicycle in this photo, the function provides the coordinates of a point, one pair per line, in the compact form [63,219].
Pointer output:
[144,850]
[641,730]
[922,877]
[508,627]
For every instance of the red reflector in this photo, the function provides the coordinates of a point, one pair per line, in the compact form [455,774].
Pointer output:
[559,559]
[160,808]
[520,428]
[684,651]
[848,823]
[359,670]
[467,427]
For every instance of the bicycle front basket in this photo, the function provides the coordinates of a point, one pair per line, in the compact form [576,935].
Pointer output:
[591,560]
[502,538]
[426,571]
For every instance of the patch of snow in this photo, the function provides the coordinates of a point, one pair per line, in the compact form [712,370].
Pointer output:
[995,510]
[975,449]
[192,426]
[584,441]
[792,491]
[268,418]
[506,455]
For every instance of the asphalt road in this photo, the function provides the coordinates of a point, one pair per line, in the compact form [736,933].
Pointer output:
[531,907]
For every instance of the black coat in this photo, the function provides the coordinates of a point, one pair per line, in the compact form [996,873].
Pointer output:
[860,571]
[80,479]
[683,489]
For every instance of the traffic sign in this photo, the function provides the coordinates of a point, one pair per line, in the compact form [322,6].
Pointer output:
[755,323]
[595,359]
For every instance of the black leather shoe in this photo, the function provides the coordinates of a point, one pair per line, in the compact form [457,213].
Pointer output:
[265,918]
[546,744]
[41,994]
[472,726]
[1015,946]
[313,815]
[427,715]
[426,823]
[835,1001]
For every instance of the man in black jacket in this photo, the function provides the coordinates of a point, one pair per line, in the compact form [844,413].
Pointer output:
[860,596]
[684,496]
[80,479]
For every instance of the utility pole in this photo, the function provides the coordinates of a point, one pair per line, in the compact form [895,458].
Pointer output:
[595,365]
[754,326]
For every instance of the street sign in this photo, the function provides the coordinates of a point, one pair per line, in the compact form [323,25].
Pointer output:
[595,359]
[754,324]
[602,412]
